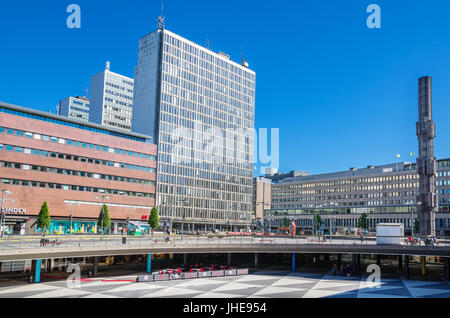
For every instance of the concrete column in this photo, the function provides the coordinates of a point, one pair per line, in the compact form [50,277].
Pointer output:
[358,260]
[95,266]
[185,258]
[379,260]
[37,271]
[149,263]
[256,260]
[400,261]
[339,260]
[424,265]
[407,266]
[354,263]
[293,262]
[229,259]
[447,269]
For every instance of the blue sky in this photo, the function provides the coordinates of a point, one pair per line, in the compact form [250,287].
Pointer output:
[342,95]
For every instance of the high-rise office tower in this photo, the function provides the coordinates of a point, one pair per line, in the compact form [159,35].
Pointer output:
[426,162]
[75,108]
[199,107]
[111,99]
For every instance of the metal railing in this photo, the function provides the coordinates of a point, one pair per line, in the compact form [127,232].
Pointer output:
[205,241]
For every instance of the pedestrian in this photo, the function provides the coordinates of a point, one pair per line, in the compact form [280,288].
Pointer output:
[347,270]
[43,240]
[342,269]
[334,269]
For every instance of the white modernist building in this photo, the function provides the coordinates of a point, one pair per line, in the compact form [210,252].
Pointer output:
[199,107]
[111,99]
[75,107]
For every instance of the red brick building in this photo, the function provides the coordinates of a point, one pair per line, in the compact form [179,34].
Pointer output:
[74,166]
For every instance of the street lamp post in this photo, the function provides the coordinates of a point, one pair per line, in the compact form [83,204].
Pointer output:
[185,200]
[71,218]
[182,224]
[3,221]
[332,217]
[264,204]
[169,216]
[412,225]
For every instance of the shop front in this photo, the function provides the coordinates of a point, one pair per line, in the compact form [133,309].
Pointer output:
[62,227]
[138,228]
[13,221]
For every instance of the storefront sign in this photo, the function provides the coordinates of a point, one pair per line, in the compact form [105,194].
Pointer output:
[14,211]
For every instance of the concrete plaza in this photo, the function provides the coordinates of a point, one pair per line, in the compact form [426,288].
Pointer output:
[260,284]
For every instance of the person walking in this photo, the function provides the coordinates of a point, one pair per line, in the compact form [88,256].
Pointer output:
[342,269]
[43,240]
[347,270]
[334,270]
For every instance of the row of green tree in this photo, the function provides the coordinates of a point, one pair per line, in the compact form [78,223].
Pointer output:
[103,222]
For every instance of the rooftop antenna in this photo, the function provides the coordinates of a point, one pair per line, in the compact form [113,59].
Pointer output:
[207,44]
[161,17]
[244,61]
[86,91]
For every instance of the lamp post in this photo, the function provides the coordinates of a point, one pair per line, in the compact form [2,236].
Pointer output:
[71,217]
[104,197]
[3,221]
[264,204]
[185,200]
[169,216]
[129,217]
[412,224]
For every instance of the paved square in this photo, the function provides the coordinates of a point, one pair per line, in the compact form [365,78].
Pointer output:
[261,284]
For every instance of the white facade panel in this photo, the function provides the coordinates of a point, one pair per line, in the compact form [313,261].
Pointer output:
[111,100]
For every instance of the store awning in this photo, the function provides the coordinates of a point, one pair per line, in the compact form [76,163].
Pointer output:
[13,219]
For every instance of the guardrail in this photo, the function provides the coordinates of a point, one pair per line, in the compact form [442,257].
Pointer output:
[205,241]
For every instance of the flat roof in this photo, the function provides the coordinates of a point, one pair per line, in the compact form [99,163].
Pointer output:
[201,47]
[98,128]
[353,172]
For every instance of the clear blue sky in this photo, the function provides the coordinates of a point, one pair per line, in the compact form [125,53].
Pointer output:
[342,95]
